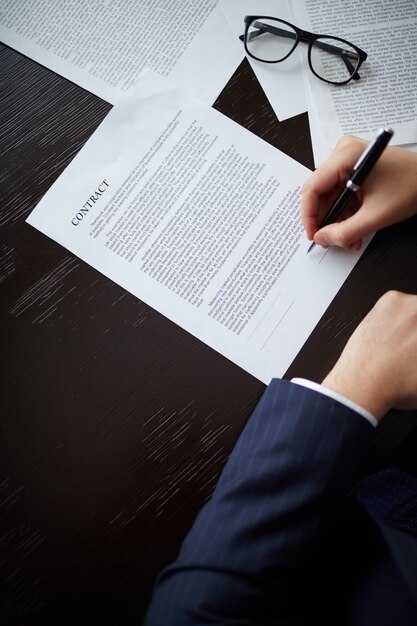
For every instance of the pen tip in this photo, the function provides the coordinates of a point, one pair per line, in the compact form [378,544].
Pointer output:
[311,246]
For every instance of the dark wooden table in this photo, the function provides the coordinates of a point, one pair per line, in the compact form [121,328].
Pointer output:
[115,423]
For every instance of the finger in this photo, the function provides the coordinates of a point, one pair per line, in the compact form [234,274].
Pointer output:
[324,185]
[312,222]
[336,169]
[316,198]
[356,245]
[310,202]
[347,234]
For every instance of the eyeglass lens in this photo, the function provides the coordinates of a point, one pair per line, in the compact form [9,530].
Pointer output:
[270,40]
[331,59]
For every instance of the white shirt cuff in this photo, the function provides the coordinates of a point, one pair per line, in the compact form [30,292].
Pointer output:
[336,396]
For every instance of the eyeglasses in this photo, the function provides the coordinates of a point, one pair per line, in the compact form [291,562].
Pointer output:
[333,60]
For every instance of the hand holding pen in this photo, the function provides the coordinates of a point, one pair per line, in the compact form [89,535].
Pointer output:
[386,196]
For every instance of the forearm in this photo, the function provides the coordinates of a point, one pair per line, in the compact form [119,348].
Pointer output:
[291,466]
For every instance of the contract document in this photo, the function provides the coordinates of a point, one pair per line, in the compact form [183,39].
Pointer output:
[200,219]
[104,46]
[386,93]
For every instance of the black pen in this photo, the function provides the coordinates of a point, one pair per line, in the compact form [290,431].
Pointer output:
[360,171]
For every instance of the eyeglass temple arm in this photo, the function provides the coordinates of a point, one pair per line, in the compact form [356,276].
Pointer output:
[267,28]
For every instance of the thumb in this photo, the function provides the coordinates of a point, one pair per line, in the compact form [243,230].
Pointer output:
[346,234]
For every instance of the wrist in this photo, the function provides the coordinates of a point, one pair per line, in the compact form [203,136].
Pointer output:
[360,391]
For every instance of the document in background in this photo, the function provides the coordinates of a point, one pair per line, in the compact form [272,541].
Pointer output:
[284,83]
[200,219]
[104,46]
[321,149]
[386,93]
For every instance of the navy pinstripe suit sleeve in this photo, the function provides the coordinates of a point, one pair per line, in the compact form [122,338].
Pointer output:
[295,458]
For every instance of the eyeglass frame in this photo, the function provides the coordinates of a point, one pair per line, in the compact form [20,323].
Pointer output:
[305,37]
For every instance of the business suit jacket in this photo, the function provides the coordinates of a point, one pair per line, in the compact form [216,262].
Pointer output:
[273,546]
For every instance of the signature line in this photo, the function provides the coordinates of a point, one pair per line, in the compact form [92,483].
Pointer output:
[276,326]
[263,317]
[324,255]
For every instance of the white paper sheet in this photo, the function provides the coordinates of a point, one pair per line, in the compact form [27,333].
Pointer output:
[321,149]
[103,46]
[200,219]
[386,93]
[283,83]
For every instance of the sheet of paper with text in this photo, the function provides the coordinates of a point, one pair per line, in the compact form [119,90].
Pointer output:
[200,219]
[285,84]
[385,95]
[104,46]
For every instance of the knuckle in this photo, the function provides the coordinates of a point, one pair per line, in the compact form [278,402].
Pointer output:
[346,140]
[393,295]
[390,298]
[350,141]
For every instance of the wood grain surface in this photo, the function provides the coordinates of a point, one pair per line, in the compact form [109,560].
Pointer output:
[115,423]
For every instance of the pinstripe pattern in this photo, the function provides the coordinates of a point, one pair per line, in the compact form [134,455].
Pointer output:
[294,460]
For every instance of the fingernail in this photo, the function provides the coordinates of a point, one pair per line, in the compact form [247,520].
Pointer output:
[322,240]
